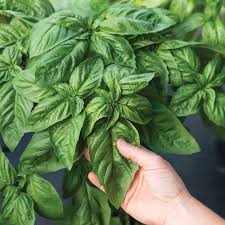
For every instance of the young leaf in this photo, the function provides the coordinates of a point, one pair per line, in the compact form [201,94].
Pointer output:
[7,172]
[57,64]
[136,109]
[64,137]
[18,208]
[9,61]
[128,81]
[96,109]
[187,100]
[214,107]
[39,156]
[87,77]
[168,134]
[25,85]
[14,112]
[65,24]
[113,49]
[134,21]
[115,173]
[49,112]
[46,199]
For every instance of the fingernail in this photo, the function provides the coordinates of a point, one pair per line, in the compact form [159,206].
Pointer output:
[122,143]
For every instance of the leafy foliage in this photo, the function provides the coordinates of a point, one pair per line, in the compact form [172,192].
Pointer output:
[90,74]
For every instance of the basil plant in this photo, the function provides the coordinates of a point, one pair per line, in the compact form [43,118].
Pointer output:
[86,73]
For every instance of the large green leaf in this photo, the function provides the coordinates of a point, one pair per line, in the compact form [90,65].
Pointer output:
[17,208]
[165,133]
[150,62]
[90,206]
[9,61]
[213,33]
[115,173]
[113,49]
[136,109]
[25,85]
[214,107]
[187,100]
[182,63]
[96,109]
[54,30]
[87,77]
[129,20]
[39,156]
[7,172]
[57,64]
[46,199]
[39,8]
[9,35]
[64,137]
[48,112]
[14,112]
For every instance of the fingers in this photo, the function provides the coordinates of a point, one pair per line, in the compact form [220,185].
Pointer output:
[139,155]
[94,180]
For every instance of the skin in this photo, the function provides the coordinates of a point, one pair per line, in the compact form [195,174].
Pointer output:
[157,195]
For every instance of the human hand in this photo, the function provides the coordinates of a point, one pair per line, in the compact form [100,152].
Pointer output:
[156,190]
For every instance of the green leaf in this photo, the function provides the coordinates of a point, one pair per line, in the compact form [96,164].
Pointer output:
[214,107]
[49,112]
[150,62]
[128,81]
[182,63]
[47,201]
[115,173]
[64,138]
[8,35]
[7,171]
[39,8]
[129,20]
[187,100]
[25,85]
[90,206]
[189,24]
[150,3]
[9,61]
[73,179]
[17,208]
[39,156]
[14,112]
[57,64]
[213,33]
[113,49]
[213,8]
[182,8]
[96,109]
[87,77]
[169,135]
[54,30]
[213,74]
[136,109]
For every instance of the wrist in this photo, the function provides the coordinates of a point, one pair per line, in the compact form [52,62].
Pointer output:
[178,209]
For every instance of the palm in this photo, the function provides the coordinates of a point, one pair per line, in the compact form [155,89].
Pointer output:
[151,192]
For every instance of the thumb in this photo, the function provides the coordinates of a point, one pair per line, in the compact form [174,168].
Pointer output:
[139,155]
